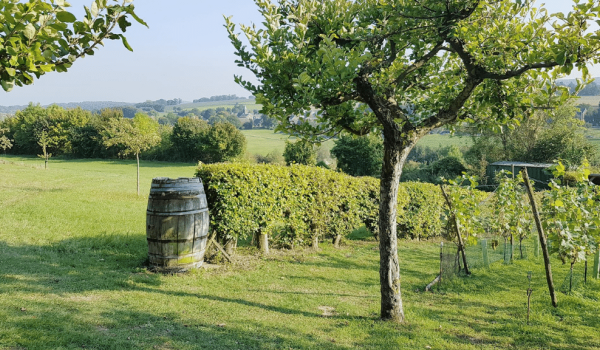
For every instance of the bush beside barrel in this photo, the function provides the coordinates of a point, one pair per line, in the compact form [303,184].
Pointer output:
[176,224]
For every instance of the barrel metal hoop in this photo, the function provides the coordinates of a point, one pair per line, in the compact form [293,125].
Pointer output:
[155,240]
[174,257]
[178,213]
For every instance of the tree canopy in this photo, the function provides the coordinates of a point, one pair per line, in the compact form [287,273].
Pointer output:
[41,36]
[404,67]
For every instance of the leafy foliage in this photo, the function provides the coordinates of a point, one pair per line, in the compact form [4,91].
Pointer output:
[5,142]
[40,36]
[573,220]
[466,206]
[224,142]
[300,152]
[512,213]
[297,202]
[359,156]
[134,136]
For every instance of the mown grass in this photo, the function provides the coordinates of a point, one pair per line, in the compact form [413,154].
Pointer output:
[72,248]
[260,141]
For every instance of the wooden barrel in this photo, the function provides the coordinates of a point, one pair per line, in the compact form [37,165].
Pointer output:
[176,224]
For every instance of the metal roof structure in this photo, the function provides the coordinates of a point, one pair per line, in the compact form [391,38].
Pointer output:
[523,164]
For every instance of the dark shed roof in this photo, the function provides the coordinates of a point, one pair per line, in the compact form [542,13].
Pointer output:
[523,164]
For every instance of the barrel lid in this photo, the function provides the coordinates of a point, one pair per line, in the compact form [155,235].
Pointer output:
[181,180]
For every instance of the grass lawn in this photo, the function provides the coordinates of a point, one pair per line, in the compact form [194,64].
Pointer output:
[261,141]
[72,248]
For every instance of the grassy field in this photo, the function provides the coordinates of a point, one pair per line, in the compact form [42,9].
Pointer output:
[250,104]
[588,100]
[261,141]
[72,248]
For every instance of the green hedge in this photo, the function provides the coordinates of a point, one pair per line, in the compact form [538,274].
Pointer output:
[295,203]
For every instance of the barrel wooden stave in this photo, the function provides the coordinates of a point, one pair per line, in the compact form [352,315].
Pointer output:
[177,224]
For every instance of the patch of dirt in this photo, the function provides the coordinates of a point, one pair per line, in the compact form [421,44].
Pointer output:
[328,311]
[83,298]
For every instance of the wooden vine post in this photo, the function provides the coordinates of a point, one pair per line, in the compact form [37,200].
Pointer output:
[542,237]
[461,246]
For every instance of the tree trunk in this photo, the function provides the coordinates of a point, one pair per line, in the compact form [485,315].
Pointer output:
[137,158]
[230,246]
[336,241]
[389,268]
[315,241]
[264,243]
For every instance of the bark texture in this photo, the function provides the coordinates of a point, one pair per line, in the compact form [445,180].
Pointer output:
[389,268]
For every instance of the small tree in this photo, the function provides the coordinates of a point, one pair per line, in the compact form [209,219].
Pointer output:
[300,152]
[223,142]
[45,142]
[5,142]
[134,136]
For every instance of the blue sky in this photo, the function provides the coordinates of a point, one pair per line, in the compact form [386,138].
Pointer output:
[184,54]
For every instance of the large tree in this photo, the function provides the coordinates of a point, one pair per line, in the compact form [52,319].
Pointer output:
[41,36]
[404,67]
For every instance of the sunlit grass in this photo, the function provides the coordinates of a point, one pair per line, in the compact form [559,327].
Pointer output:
[72,249]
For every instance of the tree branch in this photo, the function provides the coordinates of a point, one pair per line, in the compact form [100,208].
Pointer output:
[418,64]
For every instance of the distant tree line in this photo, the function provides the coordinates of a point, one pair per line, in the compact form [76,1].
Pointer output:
[592,89]
[220,114]
[221,98]
[79,133]
[158,105]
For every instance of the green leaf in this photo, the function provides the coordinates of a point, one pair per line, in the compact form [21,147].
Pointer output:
[29,31]
[561,58]
[66,17]
[7,85]
[129,9]
[11,71]
[94,10]
[125,43]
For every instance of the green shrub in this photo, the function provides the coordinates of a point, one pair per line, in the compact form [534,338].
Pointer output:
[359,156]
[300,152]
[295,204]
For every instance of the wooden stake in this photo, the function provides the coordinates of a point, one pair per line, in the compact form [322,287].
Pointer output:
[543,244]
[436,280]
[461,246]
[214,241]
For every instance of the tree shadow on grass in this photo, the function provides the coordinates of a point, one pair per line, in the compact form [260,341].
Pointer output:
[124,328]
[74,269]
[71,272]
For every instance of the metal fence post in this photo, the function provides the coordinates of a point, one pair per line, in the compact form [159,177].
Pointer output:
[596,272]
[484,252]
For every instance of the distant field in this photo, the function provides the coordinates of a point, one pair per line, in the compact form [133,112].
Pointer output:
[206,105]
[264,141]
[439,141]
[589,100]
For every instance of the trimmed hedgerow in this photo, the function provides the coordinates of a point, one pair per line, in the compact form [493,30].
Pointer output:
[298,204]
